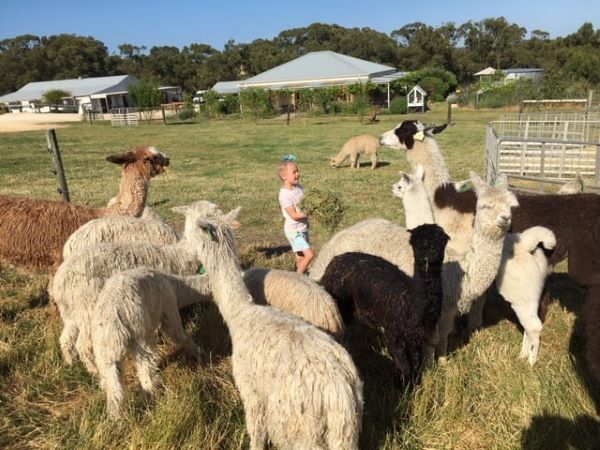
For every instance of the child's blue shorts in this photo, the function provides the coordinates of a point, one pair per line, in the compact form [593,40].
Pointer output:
[298,240]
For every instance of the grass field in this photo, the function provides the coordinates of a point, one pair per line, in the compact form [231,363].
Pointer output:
[482,397]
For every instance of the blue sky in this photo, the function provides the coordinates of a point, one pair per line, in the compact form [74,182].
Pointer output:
[179,23]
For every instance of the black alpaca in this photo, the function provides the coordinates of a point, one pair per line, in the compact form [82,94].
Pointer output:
[374,291]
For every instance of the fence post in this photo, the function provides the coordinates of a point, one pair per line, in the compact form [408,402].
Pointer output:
[597,174]
[163,114]
[54,149]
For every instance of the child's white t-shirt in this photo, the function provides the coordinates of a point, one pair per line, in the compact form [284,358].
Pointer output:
[293,198]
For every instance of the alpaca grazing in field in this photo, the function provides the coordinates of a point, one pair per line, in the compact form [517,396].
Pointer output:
[299,387]
[34,231]
[129,311]
[364,144]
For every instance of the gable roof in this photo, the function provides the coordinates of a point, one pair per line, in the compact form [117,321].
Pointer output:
[77,87]
[522,70]
[226,87]
[486,71]
[318,68]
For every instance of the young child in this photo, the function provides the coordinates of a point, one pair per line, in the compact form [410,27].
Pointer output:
[296,222]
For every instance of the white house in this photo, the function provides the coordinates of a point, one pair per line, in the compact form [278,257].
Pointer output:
[512,74]
[100,94]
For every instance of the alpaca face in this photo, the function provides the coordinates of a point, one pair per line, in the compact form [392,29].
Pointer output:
[403,137]
[408,182]
[493,204]
[148,160]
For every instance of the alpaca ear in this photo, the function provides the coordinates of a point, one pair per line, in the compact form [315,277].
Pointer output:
[477,182]
[209,229]
[122,158]
[439,129]
[180,209]
[420,173]
[232,216]
[502,181]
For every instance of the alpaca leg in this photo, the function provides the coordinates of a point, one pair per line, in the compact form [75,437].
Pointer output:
[172,327]
[445,326]
[255,423]
[85,349]
[374,161]
[68,338]
[146,363]
[528,318]
[354,162]
[110,380]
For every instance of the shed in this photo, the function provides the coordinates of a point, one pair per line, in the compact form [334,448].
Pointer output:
[416,99]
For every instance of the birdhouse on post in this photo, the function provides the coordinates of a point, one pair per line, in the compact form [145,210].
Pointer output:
[416,99]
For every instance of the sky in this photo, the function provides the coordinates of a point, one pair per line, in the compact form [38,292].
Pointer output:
[181,23]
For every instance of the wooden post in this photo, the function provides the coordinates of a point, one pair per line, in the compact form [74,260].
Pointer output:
[449,118]
[287,121]
[54,149]
[163,114]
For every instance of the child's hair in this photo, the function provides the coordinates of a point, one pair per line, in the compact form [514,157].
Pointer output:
[283,163]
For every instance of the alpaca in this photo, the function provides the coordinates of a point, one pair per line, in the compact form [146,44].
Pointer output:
[417,208]
[407,309]
[572,218]
[129,310]
[465,276]
[295,294]
[299,387]
[356,146]
[523,288]
[79,279]
[34,231]
[115,229]
[575,186]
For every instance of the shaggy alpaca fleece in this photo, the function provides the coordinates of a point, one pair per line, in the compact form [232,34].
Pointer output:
[119,229]
[79,280]
[299,387]
[297,295]
[364,144]
[406,309]
[34,231]
[126,318]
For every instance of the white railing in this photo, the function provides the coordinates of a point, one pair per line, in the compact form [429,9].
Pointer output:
[124,117]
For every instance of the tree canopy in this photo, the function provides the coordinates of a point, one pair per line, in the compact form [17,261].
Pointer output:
[460,49]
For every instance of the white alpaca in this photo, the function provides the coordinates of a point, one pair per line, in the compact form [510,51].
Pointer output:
[119,229]
[523,288]
[79,280]
[356,146]
[296,294]
[465,278]
[129,310]
[300,388]
[417,208]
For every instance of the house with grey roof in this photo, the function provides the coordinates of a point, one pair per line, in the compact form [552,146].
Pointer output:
[99,94]
[316,70]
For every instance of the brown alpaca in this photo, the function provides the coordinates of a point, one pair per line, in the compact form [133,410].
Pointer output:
[33,231]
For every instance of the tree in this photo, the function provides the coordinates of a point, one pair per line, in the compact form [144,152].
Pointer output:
[146,97]
[54,97]
[256,103]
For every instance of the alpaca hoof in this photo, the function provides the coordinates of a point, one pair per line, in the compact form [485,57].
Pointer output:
[442,360]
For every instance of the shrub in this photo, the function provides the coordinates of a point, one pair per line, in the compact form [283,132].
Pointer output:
[325,207]
[256,103]
[186,114]
[398,105]
[230,104]
[146,96]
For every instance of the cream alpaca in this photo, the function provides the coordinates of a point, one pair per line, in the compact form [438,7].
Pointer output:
[300,388]
[523,288]
[417,208]
[119,229]
[126,318]
[296,294]
[80,279]
[356,146]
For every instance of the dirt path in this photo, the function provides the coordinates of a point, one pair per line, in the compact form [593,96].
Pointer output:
[12,122]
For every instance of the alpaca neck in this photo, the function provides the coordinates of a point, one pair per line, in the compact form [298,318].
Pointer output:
[429,290]
[132,192]
[228,288]
[480,263]
[427,154]
[417,209]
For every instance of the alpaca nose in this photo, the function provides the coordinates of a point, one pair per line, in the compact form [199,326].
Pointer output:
[504,218]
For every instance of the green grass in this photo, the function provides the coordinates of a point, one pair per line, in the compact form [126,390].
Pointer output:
[483,397]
